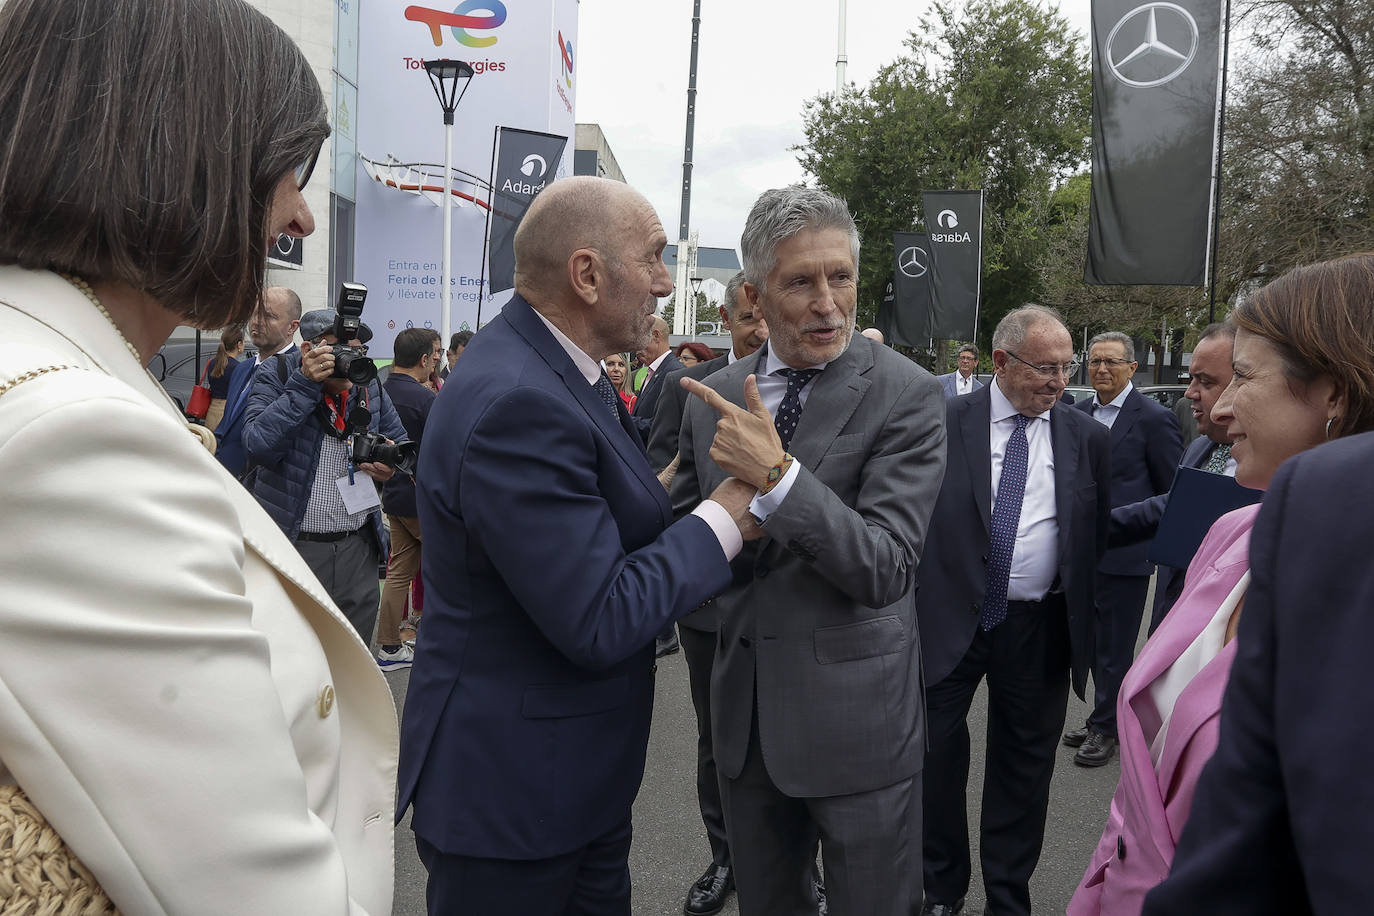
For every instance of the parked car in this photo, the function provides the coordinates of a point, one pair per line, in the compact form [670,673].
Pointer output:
[176,369]
[1167,395]
[1080,393]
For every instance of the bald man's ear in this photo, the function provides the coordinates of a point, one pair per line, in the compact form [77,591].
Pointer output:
[587,275]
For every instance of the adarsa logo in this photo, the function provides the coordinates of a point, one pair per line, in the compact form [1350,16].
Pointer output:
[478,66]
[950,237]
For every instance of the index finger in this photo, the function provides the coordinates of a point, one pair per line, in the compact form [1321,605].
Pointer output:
[709,395]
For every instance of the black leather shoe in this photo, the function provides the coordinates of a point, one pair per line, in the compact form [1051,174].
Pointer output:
[664,647]
[932,908]
[708,894]
[1076,737]
[1096,751]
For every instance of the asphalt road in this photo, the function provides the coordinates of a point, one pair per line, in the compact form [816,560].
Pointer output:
[670,849]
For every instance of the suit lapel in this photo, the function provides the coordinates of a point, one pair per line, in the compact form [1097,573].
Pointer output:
[1125,417]
[973,416]
[1065,446]
[621,435]
[834,396]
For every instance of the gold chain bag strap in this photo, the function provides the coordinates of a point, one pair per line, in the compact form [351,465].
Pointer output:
[39,873]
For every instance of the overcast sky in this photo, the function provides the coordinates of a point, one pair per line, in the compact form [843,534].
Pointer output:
[760,60]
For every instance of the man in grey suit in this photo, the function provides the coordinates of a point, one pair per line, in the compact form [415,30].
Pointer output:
[816,696]
[748,331]
[961,381]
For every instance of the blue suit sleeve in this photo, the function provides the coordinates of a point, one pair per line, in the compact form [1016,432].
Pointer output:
[276,411]
[553,538]
[1136,522]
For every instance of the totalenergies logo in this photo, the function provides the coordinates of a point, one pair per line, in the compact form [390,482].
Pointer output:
[565,49]
[460,21]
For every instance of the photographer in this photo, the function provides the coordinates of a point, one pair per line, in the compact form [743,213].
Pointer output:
[299,425]
[418,352]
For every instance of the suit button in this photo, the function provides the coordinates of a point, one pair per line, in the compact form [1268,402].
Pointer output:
[326,702]
[1121,849]
[744,641]
[985,558]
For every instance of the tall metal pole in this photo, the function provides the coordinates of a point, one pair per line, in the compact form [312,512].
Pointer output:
[680,295]
[1216,174]
[446,275]
[840,58]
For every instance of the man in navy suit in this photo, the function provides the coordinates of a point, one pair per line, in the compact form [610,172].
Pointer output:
[272,329]
[1280,823]
[1134,523]
[961,381]
[1146,446]
[1010,598]
[661,364]
[551,561]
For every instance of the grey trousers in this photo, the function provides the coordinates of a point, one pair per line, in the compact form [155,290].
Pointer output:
[348,571]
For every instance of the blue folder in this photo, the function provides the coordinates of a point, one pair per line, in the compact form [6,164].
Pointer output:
[1196,500]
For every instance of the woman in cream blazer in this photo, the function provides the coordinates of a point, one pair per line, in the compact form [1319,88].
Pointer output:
[178,696]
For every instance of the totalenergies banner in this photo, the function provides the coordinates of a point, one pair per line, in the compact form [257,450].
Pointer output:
[523,56]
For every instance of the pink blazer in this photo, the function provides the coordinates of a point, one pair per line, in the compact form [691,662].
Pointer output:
[1150,808]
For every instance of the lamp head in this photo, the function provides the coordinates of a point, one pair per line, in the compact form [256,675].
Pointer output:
[450,79]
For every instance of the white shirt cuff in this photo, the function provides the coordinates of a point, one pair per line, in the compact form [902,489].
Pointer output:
[765,504]
[722,526]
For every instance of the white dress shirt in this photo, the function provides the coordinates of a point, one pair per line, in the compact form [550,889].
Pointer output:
[259,358]
[963,385]
[712,513]
[772,389]
[1035,556]
[1106,414]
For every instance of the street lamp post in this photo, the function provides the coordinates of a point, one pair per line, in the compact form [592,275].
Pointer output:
[696,291]
[450,79]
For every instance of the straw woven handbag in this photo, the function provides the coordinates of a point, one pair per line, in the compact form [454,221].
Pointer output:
[39,873]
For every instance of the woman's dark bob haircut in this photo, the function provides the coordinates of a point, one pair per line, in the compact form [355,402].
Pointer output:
[141,141]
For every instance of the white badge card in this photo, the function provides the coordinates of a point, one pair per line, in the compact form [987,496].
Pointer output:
[360,495]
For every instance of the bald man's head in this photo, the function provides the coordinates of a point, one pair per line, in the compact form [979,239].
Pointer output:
[589,258]
[658,342]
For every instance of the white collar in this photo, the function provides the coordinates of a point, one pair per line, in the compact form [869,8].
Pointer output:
[590,368]
[1002,409]
[653,366]
[774,363]
[1117,401]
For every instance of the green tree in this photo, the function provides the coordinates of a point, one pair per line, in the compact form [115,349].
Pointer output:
[994,94]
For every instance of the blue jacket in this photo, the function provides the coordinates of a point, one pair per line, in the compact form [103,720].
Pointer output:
[282,434]
[229,432]
[947,383]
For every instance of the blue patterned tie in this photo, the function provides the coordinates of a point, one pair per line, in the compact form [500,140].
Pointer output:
[606,390]
[789,411]
[1006,516]
[1217,463]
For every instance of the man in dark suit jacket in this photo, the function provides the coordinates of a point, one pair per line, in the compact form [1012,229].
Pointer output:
[962,380]
[1134,523]
[272,328]
[748,331]
[1146,445]
[1006,592]
[661,364]
[1280,823]
[816,695]
[552,561]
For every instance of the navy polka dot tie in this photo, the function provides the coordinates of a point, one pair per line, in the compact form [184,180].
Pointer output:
[1006,517]
[606,390]
[789,411]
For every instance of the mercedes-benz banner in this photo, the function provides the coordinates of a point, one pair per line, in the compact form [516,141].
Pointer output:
[1155,112]
[525,163]
[909,316]
[954,222]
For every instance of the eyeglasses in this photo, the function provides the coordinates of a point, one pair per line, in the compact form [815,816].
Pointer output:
[1111,362]
[1049,371]
[306,168]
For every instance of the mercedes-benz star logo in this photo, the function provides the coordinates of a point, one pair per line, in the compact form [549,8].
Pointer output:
[534,166]
[1180,22]
[912,262]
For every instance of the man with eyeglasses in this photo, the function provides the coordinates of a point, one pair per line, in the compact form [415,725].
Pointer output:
[1008,598]
[297,428]
[962,380]
[1146,446]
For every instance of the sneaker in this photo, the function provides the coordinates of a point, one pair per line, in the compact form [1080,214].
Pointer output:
[403,657]
[410,642]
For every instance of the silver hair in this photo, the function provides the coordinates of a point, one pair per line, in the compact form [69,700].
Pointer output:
[780,214]
[1123,339]
[732,287]
[1012,329]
